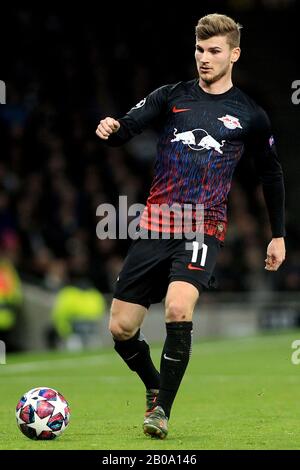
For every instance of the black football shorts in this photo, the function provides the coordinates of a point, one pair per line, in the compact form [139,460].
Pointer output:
[151,265]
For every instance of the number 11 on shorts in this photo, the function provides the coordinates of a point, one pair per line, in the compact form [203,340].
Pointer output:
[204,248]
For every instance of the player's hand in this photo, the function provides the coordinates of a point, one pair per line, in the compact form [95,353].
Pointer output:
[275,254]
[107,127]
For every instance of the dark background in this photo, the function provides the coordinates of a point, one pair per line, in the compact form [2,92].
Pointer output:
[66,67]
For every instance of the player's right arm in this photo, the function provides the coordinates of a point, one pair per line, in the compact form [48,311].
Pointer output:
[120,131]
[107,127]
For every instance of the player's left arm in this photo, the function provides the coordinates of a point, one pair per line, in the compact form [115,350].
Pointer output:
[271,174]
[275,254]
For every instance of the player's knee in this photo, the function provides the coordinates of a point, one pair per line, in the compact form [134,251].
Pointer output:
[121,330]
[176,311]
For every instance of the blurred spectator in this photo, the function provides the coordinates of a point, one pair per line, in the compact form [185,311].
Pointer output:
[78,306]
[76,314]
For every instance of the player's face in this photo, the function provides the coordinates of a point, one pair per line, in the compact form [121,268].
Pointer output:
[215,58]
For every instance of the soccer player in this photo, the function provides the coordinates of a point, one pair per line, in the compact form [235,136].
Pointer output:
[206,124]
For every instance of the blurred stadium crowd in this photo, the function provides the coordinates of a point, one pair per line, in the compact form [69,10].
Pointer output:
[64,77]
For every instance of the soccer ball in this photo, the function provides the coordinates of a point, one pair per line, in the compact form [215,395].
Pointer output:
[42,413]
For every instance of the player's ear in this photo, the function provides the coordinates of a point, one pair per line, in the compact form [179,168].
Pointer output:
[235,54]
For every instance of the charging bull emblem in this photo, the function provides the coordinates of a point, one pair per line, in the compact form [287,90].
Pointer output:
[198,139]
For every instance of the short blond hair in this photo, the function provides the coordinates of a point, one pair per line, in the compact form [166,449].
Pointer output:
[219,25]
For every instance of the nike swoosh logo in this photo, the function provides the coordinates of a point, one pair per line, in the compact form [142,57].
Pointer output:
[190,266]
[171,359]
[131,357]
[180,110]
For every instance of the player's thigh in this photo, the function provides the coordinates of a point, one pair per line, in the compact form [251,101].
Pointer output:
[126,316]
[180,301]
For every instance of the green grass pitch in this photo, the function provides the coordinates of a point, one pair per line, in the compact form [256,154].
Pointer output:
[236,394]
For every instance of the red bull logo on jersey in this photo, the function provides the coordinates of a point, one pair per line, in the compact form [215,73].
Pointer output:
[230,122]
[198,139]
